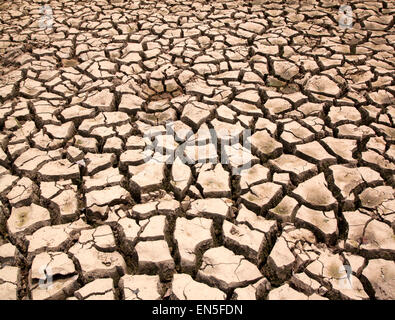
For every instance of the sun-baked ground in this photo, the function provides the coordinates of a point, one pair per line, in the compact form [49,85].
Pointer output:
[197,149]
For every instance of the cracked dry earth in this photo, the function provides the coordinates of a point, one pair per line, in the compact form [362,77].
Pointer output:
[82,103]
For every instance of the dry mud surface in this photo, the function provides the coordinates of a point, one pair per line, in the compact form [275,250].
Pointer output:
[95,97]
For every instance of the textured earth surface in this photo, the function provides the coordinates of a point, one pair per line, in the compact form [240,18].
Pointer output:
[96,96]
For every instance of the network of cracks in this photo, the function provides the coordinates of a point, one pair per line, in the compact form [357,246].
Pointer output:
[197,150]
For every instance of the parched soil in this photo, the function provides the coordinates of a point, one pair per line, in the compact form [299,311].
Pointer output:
[197,149]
